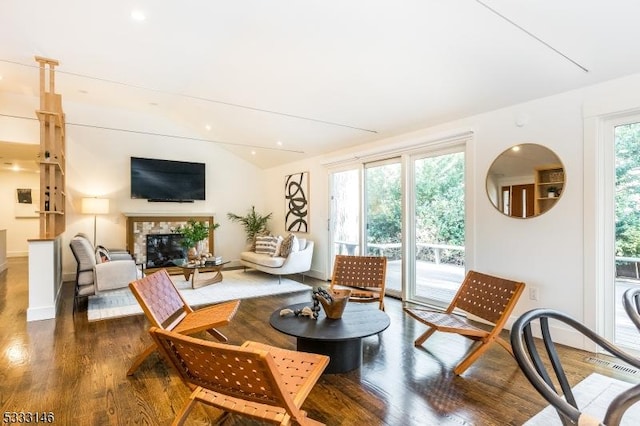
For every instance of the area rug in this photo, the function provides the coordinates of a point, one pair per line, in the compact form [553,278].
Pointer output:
[236,284]
[593,395]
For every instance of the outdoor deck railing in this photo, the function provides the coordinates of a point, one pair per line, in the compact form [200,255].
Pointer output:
[628,267]
[348,247]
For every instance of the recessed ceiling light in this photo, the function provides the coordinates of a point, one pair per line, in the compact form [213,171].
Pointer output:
[153,103]
[253,153]
[84,92]
[138,15]
[208,127]
[279,143]
[0,76]
[515,148]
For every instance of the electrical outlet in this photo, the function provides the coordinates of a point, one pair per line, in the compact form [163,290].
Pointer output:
[533,293]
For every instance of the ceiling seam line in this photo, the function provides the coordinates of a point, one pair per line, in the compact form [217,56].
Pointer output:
[535,37]
[141,132]
[230,104]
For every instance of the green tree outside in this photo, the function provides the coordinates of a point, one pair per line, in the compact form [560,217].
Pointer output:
[627,194]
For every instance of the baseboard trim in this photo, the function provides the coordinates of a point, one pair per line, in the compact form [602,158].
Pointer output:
[41,313]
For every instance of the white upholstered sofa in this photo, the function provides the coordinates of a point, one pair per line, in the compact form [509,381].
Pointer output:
[297,262]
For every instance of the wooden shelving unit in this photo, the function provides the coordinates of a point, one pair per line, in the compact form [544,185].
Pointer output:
[51,157]
[547,177]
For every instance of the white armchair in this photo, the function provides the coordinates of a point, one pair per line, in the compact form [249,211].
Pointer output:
[94,276]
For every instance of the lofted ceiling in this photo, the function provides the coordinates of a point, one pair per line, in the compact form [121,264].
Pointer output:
[281,80]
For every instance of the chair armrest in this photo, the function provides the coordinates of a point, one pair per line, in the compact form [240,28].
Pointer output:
[114,274]
[299,261]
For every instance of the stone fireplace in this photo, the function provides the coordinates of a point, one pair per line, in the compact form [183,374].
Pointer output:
[138,227]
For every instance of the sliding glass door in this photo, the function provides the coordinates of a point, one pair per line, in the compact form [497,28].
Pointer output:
[383,213]
[438,233]
[409,208]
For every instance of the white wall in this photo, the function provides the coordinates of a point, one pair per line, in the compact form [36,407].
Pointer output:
[546,251]
[19,230]
[20,131]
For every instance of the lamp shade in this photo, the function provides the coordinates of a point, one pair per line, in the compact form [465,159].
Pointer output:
[95,205]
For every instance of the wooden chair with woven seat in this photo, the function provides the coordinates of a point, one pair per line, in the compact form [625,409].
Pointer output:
[254,380]
[366,276]
[166,308]
[487,297]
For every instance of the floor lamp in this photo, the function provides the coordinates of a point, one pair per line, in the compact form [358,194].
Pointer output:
[95,206]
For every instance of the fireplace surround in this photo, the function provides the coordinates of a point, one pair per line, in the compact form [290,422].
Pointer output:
[139,226]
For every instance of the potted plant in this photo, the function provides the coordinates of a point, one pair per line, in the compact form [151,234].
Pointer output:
[253,223]
[552,192]
[192,233]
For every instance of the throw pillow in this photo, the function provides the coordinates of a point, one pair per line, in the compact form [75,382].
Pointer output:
[279,240]
[253,242]
[102,255]
[289,245]
[266,245]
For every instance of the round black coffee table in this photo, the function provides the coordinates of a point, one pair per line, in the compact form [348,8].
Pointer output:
[340,339]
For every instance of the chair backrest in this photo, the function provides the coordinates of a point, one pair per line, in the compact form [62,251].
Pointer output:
[365,272]
[631,303]
[84,253]
[233,371]
[539,371]
[161,301]
[488,297]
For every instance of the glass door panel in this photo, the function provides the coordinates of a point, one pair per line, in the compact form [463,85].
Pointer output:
[345,214]
[383,209]
[439,220]
[627,227]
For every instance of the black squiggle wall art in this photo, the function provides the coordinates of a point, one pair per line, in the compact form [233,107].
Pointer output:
[296,198]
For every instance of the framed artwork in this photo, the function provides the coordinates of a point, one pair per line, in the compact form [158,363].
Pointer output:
[27,203]
[296,202]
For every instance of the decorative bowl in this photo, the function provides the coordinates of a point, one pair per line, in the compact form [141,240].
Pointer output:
[334,308]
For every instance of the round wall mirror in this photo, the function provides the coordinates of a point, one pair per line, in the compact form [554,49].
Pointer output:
[525,181]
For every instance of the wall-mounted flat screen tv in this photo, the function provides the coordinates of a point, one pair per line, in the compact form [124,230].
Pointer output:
[167,180]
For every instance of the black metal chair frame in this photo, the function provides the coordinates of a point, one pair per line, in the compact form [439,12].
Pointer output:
[533,367]
[631,303]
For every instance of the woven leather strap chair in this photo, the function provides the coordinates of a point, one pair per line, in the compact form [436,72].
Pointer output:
[485,296]
[536,369]
[165,308]
[631,303]
[254,380]
[365,275]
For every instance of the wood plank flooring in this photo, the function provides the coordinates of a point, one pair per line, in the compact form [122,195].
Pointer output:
[76,370]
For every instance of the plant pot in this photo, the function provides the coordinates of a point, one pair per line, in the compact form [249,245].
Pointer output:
[192,253]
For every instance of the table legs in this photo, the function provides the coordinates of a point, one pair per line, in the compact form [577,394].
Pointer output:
[345,355]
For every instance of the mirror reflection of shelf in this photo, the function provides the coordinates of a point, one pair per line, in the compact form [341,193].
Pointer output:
[549,185]
[514,186]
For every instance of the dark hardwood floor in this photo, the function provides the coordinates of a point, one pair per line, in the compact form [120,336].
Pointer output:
[76,370]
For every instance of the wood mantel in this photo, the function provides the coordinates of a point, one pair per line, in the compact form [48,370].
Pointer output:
[139,226]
